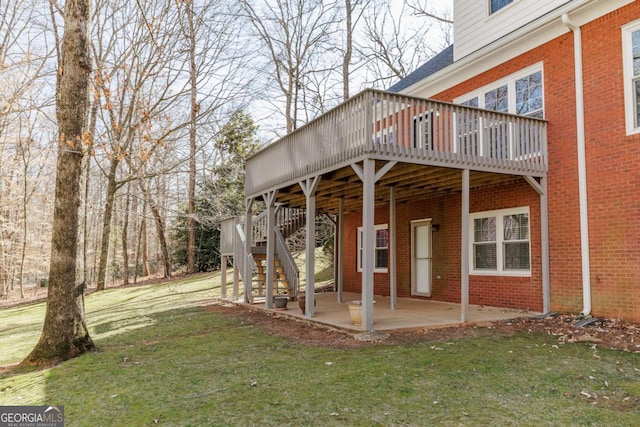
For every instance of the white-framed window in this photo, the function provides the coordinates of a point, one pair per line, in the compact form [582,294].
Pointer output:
[631,65]
[496,5]
[500,242]
[519,93]
[381,242]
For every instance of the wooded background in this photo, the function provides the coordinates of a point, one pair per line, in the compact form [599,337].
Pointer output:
[182,91]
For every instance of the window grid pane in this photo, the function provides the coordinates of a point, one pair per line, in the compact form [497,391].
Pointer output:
[636,93]
[635,43]
[497,100]
[485,256]
[516,256]
[529,97]
[484,229]
[496,5]
[516,227]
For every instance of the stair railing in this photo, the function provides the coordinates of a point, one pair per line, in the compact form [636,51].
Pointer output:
[240,255]
[289,267]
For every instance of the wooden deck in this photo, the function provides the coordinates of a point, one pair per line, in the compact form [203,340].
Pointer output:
[411,131]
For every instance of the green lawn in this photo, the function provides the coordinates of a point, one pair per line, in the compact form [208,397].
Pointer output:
[163,358]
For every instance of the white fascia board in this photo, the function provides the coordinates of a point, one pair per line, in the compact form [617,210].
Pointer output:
[522,40]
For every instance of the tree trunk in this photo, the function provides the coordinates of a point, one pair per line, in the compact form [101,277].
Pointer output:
[160,228]
[191,223]
[348,49]
[144,249]
[106,224]
[125,248]
[65,334]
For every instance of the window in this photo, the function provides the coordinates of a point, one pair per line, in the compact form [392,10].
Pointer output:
[496,5]
[423,131]
[497,99]
[631,61]
[520,93]
[381,242]
[500,242]
[473,102]
[529,95]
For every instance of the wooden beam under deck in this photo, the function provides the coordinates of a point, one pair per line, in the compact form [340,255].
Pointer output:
[411,182]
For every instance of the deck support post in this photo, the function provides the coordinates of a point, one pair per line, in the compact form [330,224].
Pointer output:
[309,187]
[541,189]
[368,175]
[338,242]
[464,264]
[368,247]
[392,248]
[269,199]
[223,276]
[248,273]
[544,238]
[236,280]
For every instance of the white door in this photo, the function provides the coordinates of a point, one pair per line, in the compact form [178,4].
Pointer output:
[421,257]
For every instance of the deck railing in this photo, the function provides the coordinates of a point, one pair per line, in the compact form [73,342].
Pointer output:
[403,128]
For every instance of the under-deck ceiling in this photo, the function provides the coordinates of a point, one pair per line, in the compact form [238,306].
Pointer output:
[411,182]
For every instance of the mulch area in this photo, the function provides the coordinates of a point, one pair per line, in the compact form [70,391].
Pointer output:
[606,333]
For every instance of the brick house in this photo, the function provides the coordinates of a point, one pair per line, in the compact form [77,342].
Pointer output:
[503,172]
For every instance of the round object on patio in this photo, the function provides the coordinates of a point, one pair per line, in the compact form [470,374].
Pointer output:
[302,301]
[281,303]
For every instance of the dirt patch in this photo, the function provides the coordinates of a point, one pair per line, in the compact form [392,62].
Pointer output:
[605,333]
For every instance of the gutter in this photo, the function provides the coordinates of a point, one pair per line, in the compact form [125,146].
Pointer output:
[582,165]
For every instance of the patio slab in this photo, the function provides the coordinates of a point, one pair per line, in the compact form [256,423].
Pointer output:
[410,313]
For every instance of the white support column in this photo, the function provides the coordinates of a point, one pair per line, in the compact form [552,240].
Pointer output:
[248,273]
[369,177]
[464,260]
[269,199]
[544,241]
[338,245]
[392,248]
[223,276]
[368,248]
[541,189]
[309,187]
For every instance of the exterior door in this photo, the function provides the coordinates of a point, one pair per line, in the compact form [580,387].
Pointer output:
[421,257]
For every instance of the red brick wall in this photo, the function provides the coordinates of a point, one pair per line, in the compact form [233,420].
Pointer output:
[515,292]
[613,171]
[613,175]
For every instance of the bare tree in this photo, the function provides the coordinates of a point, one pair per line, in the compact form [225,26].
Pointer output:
[296,35]
[391,48]
[425,9]
[65,334]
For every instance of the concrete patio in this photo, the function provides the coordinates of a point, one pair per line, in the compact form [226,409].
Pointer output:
[410,313]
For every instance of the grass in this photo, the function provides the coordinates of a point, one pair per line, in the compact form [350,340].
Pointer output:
[164,358]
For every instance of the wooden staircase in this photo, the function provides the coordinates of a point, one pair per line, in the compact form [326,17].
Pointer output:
[286,273]
[281,284]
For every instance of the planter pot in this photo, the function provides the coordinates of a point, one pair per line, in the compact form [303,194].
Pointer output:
[355,311]
[302,301]
[281,303]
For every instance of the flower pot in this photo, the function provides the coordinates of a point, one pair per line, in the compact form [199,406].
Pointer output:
[281,303]
[355,311]
[302,302]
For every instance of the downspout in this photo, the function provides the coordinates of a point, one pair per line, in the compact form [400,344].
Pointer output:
[582,166]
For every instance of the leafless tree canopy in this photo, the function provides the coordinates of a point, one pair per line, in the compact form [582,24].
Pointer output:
[165,77]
